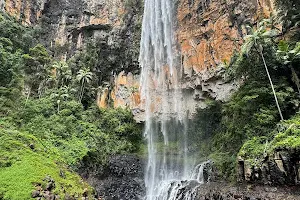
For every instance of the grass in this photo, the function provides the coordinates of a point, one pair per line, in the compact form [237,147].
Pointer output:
[25,162]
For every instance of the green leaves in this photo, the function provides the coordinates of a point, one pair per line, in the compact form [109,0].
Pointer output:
[73,133]
[84,75]
[258,37]
[36,69]
[286,54]
[247,46]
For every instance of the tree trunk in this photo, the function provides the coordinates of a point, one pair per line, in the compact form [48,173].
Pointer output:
[28,95]
[58,103]
[295,78]
[81,91]
[276,100]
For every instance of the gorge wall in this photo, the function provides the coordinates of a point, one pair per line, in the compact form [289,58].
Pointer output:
[209,32]
[65,27]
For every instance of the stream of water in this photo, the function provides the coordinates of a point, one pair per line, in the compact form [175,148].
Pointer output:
[171,173]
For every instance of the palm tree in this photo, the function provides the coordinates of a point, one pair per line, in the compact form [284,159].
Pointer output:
[83,76]
[62,94]
[287,56]
[255,41]
[63,73]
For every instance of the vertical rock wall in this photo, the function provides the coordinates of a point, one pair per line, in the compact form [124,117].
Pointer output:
[209,31]
[69,23]
[28,11]
[208,34]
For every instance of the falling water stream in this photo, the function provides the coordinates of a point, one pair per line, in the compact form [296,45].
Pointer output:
[171,173]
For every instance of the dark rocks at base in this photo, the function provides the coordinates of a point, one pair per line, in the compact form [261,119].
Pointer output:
[45,193]
[281,168]
[125,188]
[125,165]
[222,191]
[121,179]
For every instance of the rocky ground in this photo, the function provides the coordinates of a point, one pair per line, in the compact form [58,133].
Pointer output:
[121,179]
[222,191]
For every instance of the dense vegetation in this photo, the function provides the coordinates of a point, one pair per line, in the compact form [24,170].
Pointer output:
[250,123]
[48,125]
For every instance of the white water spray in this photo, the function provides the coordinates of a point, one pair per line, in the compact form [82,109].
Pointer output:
[169,174]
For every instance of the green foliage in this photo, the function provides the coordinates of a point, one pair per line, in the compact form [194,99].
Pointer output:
[15,39]
[19,35]
[245,124]
[203,127]
[75,131]
[61,140]
[287,55]
[290,57]
[285,136]
[255,150]
[62,75]
[52,133]
[288,136]
[37,69]
[288,15]
[84,76]
[25,160]
[226,164]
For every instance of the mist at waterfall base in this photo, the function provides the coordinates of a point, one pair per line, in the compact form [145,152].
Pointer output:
[172,172]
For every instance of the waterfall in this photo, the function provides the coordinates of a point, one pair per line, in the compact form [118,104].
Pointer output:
[169,173]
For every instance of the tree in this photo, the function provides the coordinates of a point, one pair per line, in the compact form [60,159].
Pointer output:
[60,95]
[62,73]
[83,76]
[255,40]
[287,56]
[10,63]
[36,68]
[288,16]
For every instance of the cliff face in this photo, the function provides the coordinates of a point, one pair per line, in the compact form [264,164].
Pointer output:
[28,11]
[67,25]
[210,31]
[208,34]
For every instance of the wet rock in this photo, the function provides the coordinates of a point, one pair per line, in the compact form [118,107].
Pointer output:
[223,191]
[49,186]
[47,192]
[32,146]
[85,192]
[121,165]
[62,173]
[69,197]
[122,178]
[281,168]
[35,194]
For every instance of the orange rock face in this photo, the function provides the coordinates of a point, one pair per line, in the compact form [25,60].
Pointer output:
[209,31]
[124,94]
[28,11]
